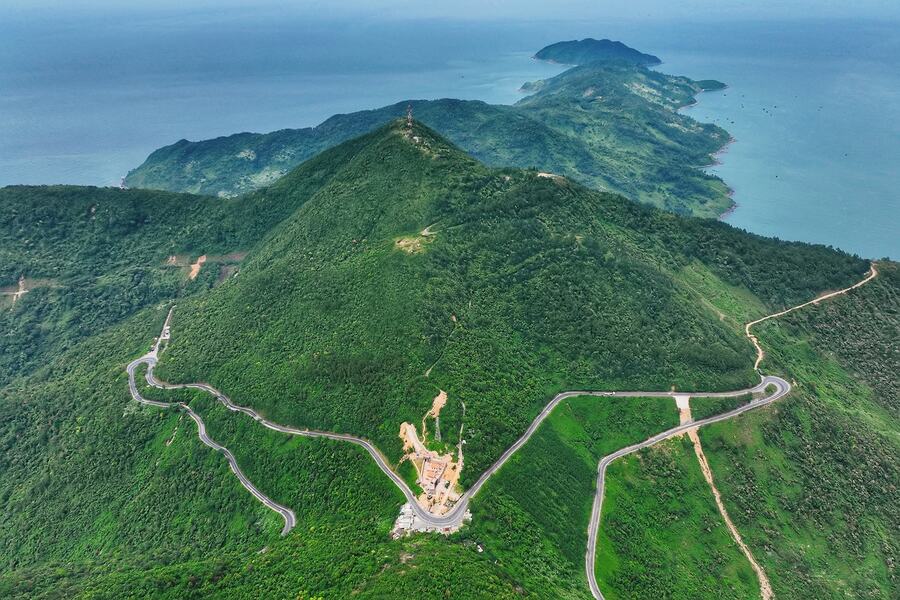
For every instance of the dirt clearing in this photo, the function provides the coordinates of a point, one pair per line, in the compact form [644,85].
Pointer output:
[683,402]
[195,268]
[435,413]
[23,286]
[437,474]
[411,245]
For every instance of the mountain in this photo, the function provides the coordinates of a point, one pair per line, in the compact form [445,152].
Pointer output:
[91,257]
[471,302]
[612,126]
[347,294]
[589,50]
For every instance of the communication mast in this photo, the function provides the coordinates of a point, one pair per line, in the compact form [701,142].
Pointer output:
[409,120]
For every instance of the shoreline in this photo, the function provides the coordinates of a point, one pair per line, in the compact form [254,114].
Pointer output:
[715,161]
[714,157]
[734,206]
[723,149]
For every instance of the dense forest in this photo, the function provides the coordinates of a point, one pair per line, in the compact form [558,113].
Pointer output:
[589,50]
[505,303]
[382,270]
[92,257]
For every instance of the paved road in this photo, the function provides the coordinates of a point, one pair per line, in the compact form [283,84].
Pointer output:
[290,519]
[782,388]
[150,359]
[456,515]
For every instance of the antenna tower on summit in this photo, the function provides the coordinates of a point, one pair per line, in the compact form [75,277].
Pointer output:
[409,116]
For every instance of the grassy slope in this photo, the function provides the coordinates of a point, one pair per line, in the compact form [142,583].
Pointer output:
[638,557]
[662,535]
[702,408]
[531,518]
[611,126]
[810,483]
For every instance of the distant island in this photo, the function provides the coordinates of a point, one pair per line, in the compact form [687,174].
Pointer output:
[637,143]
[589,50]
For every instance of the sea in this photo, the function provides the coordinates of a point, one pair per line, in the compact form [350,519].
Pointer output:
[813,105]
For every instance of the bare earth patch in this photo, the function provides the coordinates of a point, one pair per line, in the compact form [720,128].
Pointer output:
[410,245]
[228,264]
[437,474]
[15,292]
[765,588]
[415,243]
[552,176]
[435,413]
[195,268]
[683,402]
[176,260]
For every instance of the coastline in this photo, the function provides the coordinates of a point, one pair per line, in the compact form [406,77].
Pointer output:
[715,161]
[714,157]
[734,206]
[723,149]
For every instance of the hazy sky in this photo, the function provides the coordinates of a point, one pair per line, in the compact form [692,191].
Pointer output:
[509,9]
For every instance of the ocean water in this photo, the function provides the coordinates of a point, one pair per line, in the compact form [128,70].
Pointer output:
[85,98]
[814,106]
[815,113]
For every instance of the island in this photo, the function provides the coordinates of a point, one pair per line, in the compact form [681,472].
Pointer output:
[589,50]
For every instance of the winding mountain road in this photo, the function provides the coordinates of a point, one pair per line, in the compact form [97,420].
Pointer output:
[454,517]
[778,388]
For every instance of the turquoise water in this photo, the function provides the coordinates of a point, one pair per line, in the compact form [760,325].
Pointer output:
[817,130]
[814,106]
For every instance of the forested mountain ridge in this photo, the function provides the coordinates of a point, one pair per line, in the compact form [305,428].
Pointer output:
[372,303]
[380,260]
[611,125]
[91,257]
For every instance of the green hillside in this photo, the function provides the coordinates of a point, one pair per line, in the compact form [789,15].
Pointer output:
[663,535]
[527,285]
[380,271]
[92,257]
[612,126]
[812,483]
[532,517]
